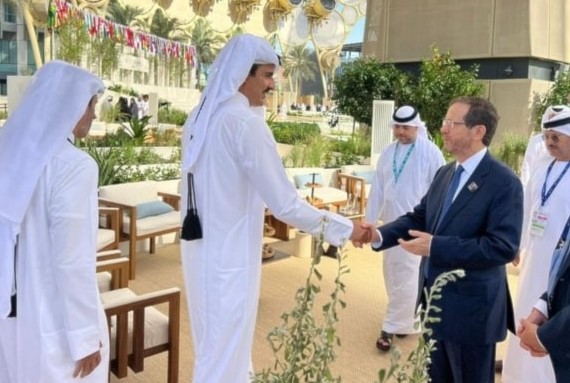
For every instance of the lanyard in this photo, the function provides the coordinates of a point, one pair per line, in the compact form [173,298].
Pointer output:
[398,171]
[546,194]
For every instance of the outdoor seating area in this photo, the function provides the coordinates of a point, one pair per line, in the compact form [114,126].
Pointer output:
[137,329]
[145,213]
[358,359]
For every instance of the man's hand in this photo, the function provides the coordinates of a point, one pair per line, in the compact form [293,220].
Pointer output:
[419,245]
[363,232]
[535,317]
[527,332]
[517,259]
[85,366]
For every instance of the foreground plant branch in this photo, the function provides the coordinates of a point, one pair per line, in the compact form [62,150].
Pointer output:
[415,369]
[304,349]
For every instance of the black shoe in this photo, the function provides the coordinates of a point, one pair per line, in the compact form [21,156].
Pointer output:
[331,251]
[384,342]
[402,335]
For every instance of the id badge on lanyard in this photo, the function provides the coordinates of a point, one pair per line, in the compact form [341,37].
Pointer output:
[539,215]
[538,222]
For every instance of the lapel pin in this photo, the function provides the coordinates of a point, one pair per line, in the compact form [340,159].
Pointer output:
[472,187]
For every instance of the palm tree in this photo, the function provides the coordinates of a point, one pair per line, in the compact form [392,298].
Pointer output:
[120,14]
[207,44]
[165,26]
[298,65]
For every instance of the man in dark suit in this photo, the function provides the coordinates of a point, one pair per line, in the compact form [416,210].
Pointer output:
[545,331]
[471,219]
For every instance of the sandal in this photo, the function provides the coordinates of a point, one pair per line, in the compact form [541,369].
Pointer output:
[268,231]
[268,252]
[384,342]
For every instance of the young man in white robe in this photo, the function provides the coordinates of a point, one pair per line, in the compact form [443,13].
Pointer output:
[56,330]
[404,172]
[547,206]
[237,172]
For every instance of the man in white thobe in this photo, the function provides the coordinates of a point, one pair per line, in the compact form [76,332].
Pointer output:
[56,330]
[236,170]
[404,172]
[535,149]
[547,206]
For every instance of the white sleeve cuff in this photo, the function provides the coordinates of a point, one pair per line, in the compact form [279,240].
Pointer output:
[542,306]
[376,245]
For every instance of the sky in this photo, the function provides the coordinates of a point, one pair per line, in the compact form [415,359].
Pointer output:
[357,33]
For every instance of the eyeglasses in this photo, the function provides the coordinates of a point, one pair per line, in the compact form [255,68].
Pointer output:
[447,123]
[552,137]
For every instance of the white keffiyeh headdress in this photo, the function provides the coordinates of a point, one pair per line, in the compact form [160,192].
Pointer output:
[228,73]
[56,98]
[408,115]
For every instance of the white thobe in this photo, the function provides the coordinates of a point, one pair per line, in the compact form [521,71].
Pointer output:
[60,319]
[390,199]
[535,152]
[536,254]
[236,175]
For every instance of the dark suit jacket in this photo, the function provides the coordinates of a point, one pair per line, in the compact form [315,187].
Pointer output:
[554,334]
[481,234]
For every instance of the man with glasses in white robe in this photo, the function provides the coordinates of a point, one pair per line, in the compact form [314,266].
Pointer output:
[230,156]
[547,206]
[52,325]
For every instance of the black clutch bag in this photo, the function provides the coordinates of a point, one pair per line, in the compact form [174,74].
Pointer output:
[191,227]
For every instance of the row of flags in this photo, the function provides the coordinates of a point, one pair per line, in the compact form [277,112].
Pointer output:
[60,10]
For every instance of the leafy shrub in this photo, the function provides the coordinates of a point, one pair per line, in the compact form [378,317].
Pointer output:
[512,149]
[292,133]
[172,116]
[304,347]
[415,369]
[312,153]
[137,129]
[122,89]
[123,164]
[557,95]
[357,145]
[135,173]
[109,160]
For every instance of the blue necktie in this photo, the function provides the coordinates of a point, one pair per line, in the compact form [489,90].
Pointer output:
[453,185]
[451,191]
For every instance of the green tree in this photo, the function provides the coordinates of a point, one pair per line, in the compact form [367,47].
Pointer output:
[120,14]
[207,44]
[73,39]
[165,26]
[297,66]
[556,95]
[440,81]
[365,80]
[105,53]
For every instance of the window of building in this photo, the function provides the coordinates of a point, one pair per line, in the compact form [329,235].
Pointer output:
[8,48]
[9,13]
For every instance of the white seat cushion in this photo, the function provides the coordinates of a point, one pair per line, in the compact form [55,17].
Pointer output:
[155,322]
[130,193]
[105,237]
[104,280]
[155,223]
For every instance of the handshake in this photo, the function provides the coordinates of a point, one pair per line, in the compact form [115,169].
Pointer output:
[364,232]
